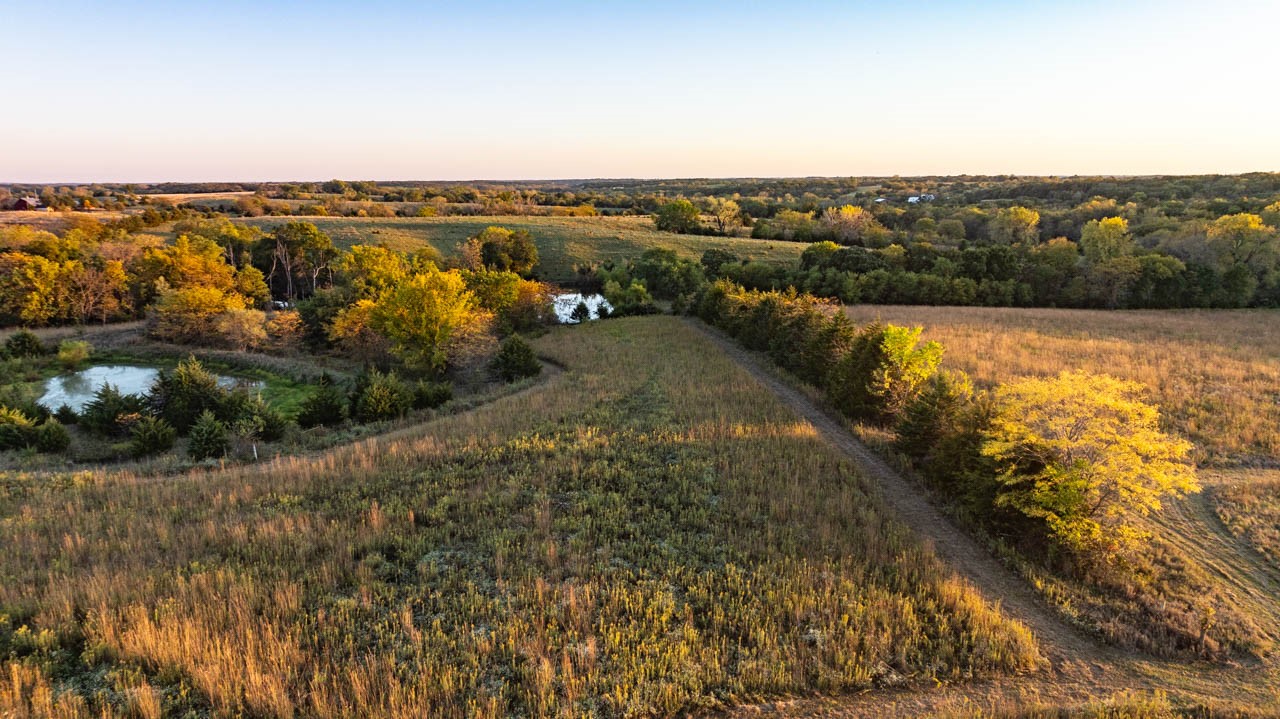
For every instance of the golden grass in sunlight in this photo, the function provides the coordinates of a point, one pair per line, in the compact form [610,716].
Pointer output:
[1215,376]
[1249,503]
[1214,373]
[562,241]
[648,532]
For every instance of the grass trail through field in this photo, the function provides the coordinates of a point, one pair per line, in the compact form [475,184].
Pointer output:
[1080,667]
[913,507]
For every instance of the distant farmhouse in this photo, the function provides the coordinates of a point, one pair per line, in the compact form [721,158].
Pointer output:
[25,203]
[916,199]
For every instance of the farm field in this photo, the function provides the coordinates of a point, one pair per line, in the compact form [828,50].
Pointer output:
[55,221]
[563,242]
[640,536]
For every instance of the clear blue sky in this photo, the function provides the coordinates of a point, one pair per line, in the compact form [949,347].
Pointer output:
[150,91]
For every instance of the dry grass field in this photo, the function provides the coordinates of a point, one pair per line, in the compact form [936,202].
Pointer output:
[178,198]
[1214,373]
[563,242]
[646,532]
[55,221]
[1216,377]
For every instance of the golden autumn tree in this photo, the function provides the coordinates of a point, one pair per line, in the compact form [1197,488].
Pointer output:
[1085,453]
[427,317]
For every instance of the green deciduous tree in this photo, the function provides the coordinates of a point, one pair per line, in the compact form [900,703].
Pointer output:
[883,371]
[676,216]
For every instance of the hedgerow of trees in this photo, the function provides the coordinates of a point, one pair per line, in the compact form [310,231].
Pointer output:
[1067,464]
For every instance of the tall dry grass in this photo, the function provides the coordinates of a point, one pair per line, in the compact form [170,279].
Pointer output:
[1214,373]
[648,532]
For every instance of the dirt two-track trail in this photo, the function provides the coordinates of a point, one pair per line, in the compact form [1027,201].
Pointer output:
[1077,667]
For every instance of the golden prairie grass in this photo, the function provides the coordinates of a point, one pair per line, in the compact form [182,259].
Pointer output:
[648,532]
[562,241]
[1248,502]
[1214,373]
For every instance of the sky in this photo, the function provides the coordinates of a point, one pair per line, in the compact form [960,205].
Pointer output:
[133,91]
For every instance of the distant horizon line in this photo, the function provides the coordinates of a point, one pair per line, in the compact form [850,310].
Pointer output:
[651,178]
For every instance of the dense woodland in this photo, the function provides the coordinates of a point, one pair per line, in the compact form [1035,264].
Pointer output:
[1135,242]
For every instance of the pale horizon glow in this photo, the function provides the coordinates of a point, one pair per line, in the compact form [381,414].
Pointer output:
[396,90]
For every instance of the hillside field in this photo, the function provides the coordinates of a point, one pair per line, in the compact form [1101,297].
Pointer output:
[1215,374]
[633,537]
[563,242]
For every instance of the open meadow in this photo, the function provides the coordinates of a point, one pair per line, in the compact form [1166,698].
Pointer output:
[647,532]
[563,242]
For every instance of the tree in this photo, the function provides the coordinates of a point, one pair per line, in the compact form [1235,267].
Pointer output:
[190,261]
[516,360]
[581,313]
[208,437]
[187,315]
[1245,240]
[370,270]
[295,257]
[180,396]
[883,371]
[666,275]
[151,435]
[676,216]
[327,406]
[714,258]
[501,249]
[30,290]
[1106,239]
[1085,454]
[352,330]
[73,353]
[427,316]
[383,396]
[241,329]
[727,214]
[852,225]
[1015,225]
[252,285]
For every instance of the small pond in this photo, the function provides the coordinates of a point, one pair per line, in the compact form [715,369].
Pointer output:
[77,388]
[565,303]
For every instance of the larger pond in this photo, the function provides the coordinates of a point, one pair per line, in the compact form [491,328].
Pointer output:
[77,388]
[566,303]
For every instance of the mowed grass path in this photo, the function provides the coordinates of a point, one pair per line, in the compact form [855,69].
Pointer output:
[648,531]
[562,241]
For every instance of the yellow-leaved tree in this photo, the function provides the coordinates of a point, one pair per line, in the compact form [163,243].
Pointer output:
[1085,453]
[429,317]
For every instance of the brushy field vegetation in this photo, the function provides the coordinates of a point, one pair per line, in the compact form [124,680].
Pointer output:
[647,532]
[1215,376]
[1249,503]
[563,242]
